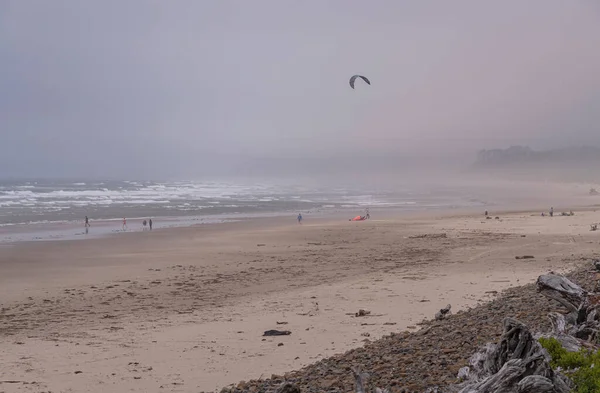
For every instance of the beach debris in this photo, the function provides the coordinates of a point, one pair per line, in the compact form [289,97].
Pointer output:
[281,323]
[360,380]
[596,264]
[593,227]
[559,326]
[415,361]
[443,313]
[496,218]
[288,387]
[362,313]
[353,78]
[277,333]
[562,290]
[525,257]
[429,236]
[280,345]
[78,372]
[314,310]
[583,320]
[260,245]
[517,364]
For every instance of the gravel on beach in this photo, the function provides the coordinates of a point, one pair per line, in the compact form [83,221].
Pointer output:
[430,357]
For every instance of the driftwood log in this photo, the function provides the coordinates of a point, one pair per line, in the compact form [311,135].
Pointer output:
[517,364]
[562,290]
[360,382]
[583,319]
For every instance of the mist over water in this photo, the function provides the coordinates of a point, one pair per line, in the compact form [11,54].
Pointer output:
[55,201]
[51,201]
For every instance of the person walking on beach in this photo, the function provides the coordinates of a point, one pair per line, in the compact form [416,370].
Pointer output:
[144,225]
[551,212]
[299,218]
[87,224]
[150,223]
[124,224]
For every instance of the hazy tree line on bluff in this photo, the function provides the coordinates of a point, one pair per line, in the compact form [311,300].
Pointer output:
[563,164]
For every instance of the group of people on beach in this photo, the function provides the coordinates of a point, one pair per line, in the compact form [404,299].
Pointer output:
[551,213]
[357,218]
[124,226]
[144,223]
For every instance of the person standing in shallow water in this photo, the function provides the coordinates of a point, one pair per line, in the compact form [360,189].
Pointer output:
[124,224]
[150,223]
[87,224]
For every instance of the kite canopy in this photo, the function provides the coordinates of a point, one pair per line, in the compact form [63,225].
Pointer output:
[358,76]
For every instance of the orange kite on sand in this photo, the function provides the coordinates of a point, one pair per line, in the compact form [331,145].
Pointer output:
[358,218]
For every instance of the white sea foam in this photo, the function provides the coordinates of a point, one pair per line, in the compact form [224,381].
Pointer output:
[55,201]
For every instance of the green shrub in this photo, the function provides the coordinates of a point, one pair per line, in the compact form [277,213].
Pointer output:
[582,367]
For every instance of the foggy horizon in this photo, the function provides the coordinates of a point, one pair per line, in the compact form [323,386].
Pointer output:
[197,90]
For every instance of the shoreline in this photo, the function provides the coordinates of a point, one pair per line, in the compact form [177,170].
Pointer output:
[192,303]
[72,230]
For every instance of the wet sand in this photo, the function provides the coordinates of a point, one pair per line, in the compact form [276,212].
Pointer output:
[184,309]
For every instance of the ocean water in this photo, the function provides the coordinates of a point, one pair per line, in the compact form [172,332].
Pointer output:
[50,203]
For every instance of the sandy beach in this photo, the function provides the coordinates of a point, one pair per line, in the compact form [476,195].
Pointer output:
[184,309]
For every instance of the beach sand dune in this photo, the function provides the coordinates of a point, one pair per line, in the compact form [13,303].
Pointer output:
[184,310]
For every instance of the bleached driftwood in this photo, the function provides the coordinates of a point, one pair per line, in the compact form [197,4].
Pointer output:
[288,387]
[443,313]
[559,332]
[517,364]
[360,382]
[583,320]
[563,290]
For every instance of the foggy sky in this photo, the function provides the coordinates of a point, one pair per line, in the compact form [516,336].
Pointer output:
[191,88]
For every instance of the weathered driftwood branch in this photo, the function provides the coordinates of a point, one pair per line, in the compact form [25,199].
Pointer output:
[360,380]
[517,364]
[583,320]
[563,290]
[288,387]
[559,332]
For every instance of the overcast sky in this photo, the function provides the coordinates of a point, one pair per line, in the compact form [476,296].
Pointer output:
[187,88]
